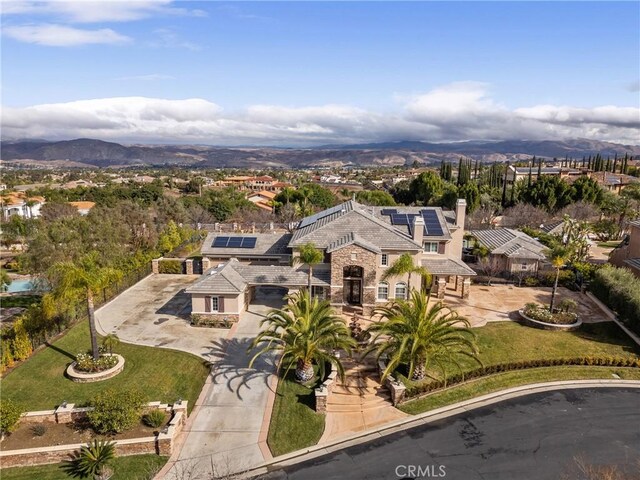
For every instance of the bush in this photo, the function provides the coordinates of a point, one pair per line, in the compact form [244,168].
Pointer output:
[92,460]
[198,320]
[170,266]
[154,419]
[39,430]
[86,362]
[619,289]
[116,411]
[10,413]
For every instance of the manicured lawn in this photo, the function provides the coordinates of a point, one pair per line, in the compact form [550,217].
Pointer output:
[294,422]
[505,380]
[136,467]
[161,374]
[503,342]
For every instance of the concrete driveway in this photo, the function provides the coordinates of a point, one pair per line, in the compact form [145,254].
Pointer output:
[155,312]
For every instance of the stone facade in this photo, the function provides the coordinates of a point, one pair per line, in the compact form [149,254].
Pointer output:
[361,257]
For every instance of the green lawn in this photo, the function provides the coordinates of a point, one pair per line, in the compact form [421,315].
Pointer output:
[294,422]
[165,375]
[503,342]
[609,244]
[136,467]
[501,381]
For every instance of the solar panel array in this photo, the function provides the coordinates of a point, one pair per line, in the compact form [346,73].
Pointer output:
[234,242]
[388,211]
[432,225]
[314,218]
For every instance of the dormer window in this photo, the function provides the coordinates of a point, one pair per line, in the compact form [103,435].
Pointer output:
[431,247]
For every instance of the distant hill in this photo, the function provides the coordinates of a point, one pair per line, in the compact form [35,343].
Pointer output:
[99,153]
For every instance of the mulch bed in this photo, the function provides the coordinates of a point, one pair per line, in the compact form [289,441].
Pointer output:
[68,433]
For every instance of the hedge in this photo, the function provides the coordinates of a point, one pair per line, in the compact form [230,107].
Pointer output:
[619,289]
[418,388]
[170,266]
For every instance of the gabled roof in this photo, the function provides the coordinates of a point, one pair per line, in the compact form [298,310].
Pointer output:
[351,239]
[266,244]
[509,242]
[447,266]
[221,279]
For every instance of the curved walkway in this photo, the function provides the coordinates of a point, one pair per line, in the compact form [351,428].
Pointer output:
[533,435]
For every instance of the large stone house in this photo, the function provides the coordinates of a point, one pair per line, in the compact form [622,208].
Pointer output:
[359,243]
[627,254]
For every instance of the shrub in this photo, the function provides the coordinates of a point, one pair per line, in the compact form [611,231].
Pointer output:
[620,290]
[115,411]
[86,362]
[154,419]
[170,266]
[20,344]
[199,320]
[92,460]
[531,282]
[542,314]
[10,413]
[39,430]
[7,355]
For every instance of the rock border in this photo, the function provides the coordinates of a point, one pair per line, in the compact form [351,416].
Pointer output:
[550,326]
[86,377]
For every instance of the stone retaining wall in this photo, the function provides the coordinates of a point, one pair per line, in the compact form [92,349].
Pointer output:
[549,326]
[322,392]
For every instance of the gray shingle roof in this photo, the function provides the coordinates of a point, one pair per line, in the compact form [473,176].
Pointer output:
[552,227]
[233,277]
[351,239]
[633,263]
[509,242]
[266,244]
[635,223]
[447,266]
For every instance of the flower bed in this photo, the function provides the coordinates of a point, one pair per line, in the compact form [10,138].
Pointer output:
[80,376]
[87,364]
[542,314]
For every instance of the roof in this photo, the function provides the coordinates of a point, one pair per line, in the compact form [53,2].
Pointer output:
[330,227]
[633,263]
[552,227]
[263,193]
[509,242]
[233,277]
[266,244]
[83,205]
[635,223]
[19,198]
[447,266]
[352,239]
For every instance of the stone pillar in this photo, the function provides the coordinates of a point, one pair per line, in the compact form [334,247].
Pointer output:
[155,265]
[63,413]
[322,395]
[206,264]
[398,391]
[466,287]
[189,264]
[442,286]
[271,226]
[181,407]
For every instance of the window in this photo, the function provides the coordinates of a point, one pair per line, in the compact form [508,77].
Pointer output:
[524,266]
[211,304]
[384,260]
[317,292]
[383,291]
[431,247]
[401,291]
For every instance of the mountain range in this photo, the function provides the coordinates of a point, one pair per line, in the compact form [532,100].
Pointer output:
[98,153]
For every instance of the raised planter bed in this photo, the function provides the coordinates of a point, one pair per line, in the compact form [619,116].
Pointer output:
[549,326]
[88,377]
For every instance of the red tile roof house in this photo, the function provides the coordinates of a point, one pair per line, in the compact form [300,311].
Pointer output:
[359,243]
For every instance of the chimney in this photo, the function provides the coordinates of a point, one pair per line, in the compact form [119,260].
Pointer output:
[461,208]
[418,229]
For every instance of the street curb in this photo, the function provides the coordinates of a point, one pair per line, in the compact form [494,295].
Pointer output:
[428,417]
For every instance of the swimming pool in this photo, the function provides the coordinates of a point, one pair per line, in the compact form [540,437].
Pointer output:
[21,285]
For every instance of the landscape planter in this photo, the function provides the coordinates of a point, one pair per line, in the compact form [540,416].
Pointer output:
[550,326]
[88,377]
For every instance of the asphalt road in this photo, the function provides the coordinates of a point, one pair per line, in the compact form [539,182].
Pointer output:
[535,437]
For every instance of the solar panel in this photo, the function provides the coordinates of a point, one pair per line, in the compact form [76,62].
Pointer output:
[314,218]
[234,242]
[399,219]
[432,225]
[220,242]
[388,211]
[248,242]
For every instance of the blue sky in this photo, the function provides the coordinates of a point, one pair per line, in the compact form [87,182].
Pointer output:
[312,72]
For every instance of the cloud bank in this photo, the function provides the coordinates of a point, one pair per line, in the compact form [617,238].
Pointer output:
[454,112]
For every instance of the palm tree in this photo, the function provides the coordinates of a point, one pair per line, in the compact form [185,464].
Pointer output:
[404,266]
[419,335]
[306,331]
[92,460]
[86,278]
[309,255]
[110,342]
[558,256]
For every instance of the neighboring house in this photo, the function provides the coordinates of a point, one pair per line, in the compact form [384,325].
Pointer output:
[359,243]
[264,182]
[520,173]
[83,207]
[613,182]
[553,228]
[627,254]
[262,199]
[19,203]
[513,251]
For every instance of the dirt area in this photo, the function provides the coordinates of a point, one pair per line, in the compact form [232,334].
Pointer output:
[67,433]
[500,302]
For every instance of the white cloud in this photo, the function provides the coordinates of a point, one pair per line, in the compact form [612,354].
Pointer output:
[88,11]
[62,36]
[462,111]
[167,38]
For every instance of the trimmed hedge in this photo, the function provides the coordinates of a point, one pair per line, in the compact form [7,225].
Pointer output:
[619,289]
[170,266]
[414,388]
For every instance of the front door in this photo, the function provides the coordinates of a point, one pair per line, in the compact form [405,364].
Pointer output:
[353,291]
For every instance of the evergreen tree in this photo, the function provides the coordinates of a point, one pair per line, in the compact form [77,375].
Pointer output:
[504,187]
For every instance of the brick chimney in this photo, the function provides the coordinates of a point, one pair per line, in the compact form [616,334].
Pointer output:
[461,208]
[418,229]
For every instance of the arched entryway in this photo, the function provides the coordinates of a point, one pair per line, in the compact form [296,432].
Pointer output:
[352,284]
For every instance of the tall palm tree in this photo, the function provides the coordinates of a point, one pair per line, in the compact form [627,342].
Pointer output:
[86,277]
[309,255]
[305,331]
[404,266]
[413,333]
[558,256]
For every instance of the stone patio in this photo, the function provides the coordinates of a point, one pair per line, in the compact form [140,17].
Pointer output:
[499,302]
